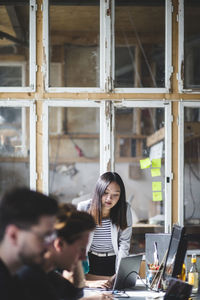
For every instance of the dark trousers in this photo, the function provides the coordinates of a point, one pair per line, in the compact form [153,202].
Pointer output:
[99,265]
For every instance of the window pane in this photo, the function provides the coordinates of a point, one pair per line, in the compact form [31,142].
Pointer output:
[73,151]
[74,43]
[192,171]
[192,44]
[139,135]
[140,43]
[14,44]
[14,147]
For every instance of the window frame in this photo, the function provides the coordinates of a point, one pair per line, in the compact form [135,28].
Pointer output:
[107,42]
[107,159]
[32,132]
[31,87]
[62,103]
[168,149]
[182,105]
[181,57]
[168,57]
[104,54]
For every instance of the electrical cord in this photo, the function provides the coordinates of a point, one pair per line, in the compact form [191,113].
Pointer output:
[138,276]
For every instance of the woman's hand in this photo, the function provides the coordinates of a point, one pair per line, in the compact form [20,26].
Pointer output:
[96,283]
[109,283]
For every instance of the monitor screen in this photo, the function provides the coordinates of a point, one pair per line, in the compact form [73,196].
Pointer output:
[176,253]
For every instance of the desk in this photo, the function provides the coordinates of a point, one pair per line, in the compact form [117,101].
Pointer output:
[133,295]
[140,292]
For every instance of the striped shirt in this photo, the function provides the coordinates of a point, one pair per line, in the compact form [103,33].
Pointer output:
[102,241]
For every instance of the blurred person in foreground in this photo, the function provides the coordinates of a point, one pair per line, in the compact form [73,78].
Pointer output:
[67,251]
[27,221]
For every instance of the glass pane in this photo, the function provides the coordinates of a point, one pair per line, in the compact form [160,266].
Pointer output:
[74,43]
[192,44]
[14,44]
[74,152]
[192,172]
[14,147]
[139,43]
[140,135]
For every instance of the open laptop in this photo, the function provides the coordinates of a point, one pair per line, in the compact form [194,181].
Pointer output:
[125,278]
[127,272]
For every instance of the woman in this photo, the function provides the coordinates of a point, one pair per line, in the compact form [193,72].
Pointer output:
[111,239]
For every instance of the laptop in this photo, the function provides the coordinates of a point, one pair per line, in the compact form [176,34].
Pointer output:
[127,272]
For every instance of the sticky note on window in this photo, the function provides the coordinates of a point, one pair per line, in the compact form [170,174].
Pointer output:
[156,186]
[145,163]
[157,196]
[155,172]
[156,163]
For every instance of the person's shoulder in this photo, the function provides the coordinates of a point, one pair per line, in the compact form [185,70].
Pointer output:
[27,273]
[4,272]
[128,206]
[84,205]
[6,279]
[65,289]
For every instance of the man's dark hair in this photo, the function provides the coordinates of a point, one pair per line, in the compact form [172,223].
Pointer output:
[23,208]
[72,223]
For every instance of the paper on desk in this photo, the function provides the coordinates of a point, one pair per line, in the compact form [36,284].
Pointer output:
[147,294]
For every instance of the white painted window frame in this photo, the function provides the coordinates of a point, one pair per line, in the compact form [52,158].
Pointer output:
[180,44]
[32,55]
[182,105]
[107,139]
[168,57]
[32,132]
[104,53]
[63,103]
[181,52]
[107,125]
[168,150]
[107,40]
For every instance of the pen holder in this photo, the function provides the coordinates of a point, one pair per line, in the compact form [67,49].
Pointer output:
[153,279]
[150,276]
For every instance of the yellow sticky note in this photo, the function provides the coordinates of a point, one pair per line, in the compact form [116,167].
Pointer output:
[156,163]
[145,163]
[157,196]
[156,186]
[155,172]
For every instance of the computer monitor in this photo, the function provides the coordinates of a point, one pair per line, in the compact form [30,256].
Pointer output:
[176,253]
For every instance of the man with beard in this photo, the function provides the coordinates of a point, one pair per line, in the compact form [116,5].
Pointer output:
[27,221]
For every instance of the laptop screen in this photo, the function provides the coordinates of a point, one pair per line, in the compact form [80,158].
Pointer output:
[127,272]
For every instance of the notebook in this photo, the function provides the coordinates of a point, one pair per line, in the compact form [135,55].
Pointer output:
[127,272]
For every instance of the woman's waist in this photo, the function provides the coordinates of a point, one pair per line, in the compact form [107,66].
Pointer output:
[102,254]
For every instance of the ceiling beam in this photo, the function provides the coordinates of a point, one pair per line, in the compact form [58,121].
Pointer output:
[14,19]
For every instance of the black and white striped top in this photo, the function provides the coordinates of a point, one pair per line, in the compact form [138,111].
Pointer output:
[102,238]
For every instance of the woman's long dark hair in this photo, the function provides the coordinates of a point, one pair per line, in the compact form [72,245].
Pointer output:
[118,212]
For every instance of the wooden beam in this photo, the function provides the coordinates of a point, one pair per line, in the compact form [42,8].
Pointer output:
[14,19]
[156,137]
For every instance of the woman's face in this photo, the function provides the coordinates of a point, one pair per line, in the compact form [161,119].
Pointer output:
[111,196]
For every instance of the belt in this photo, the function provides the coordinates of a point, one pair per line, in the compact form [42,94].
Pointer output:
[103,254]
